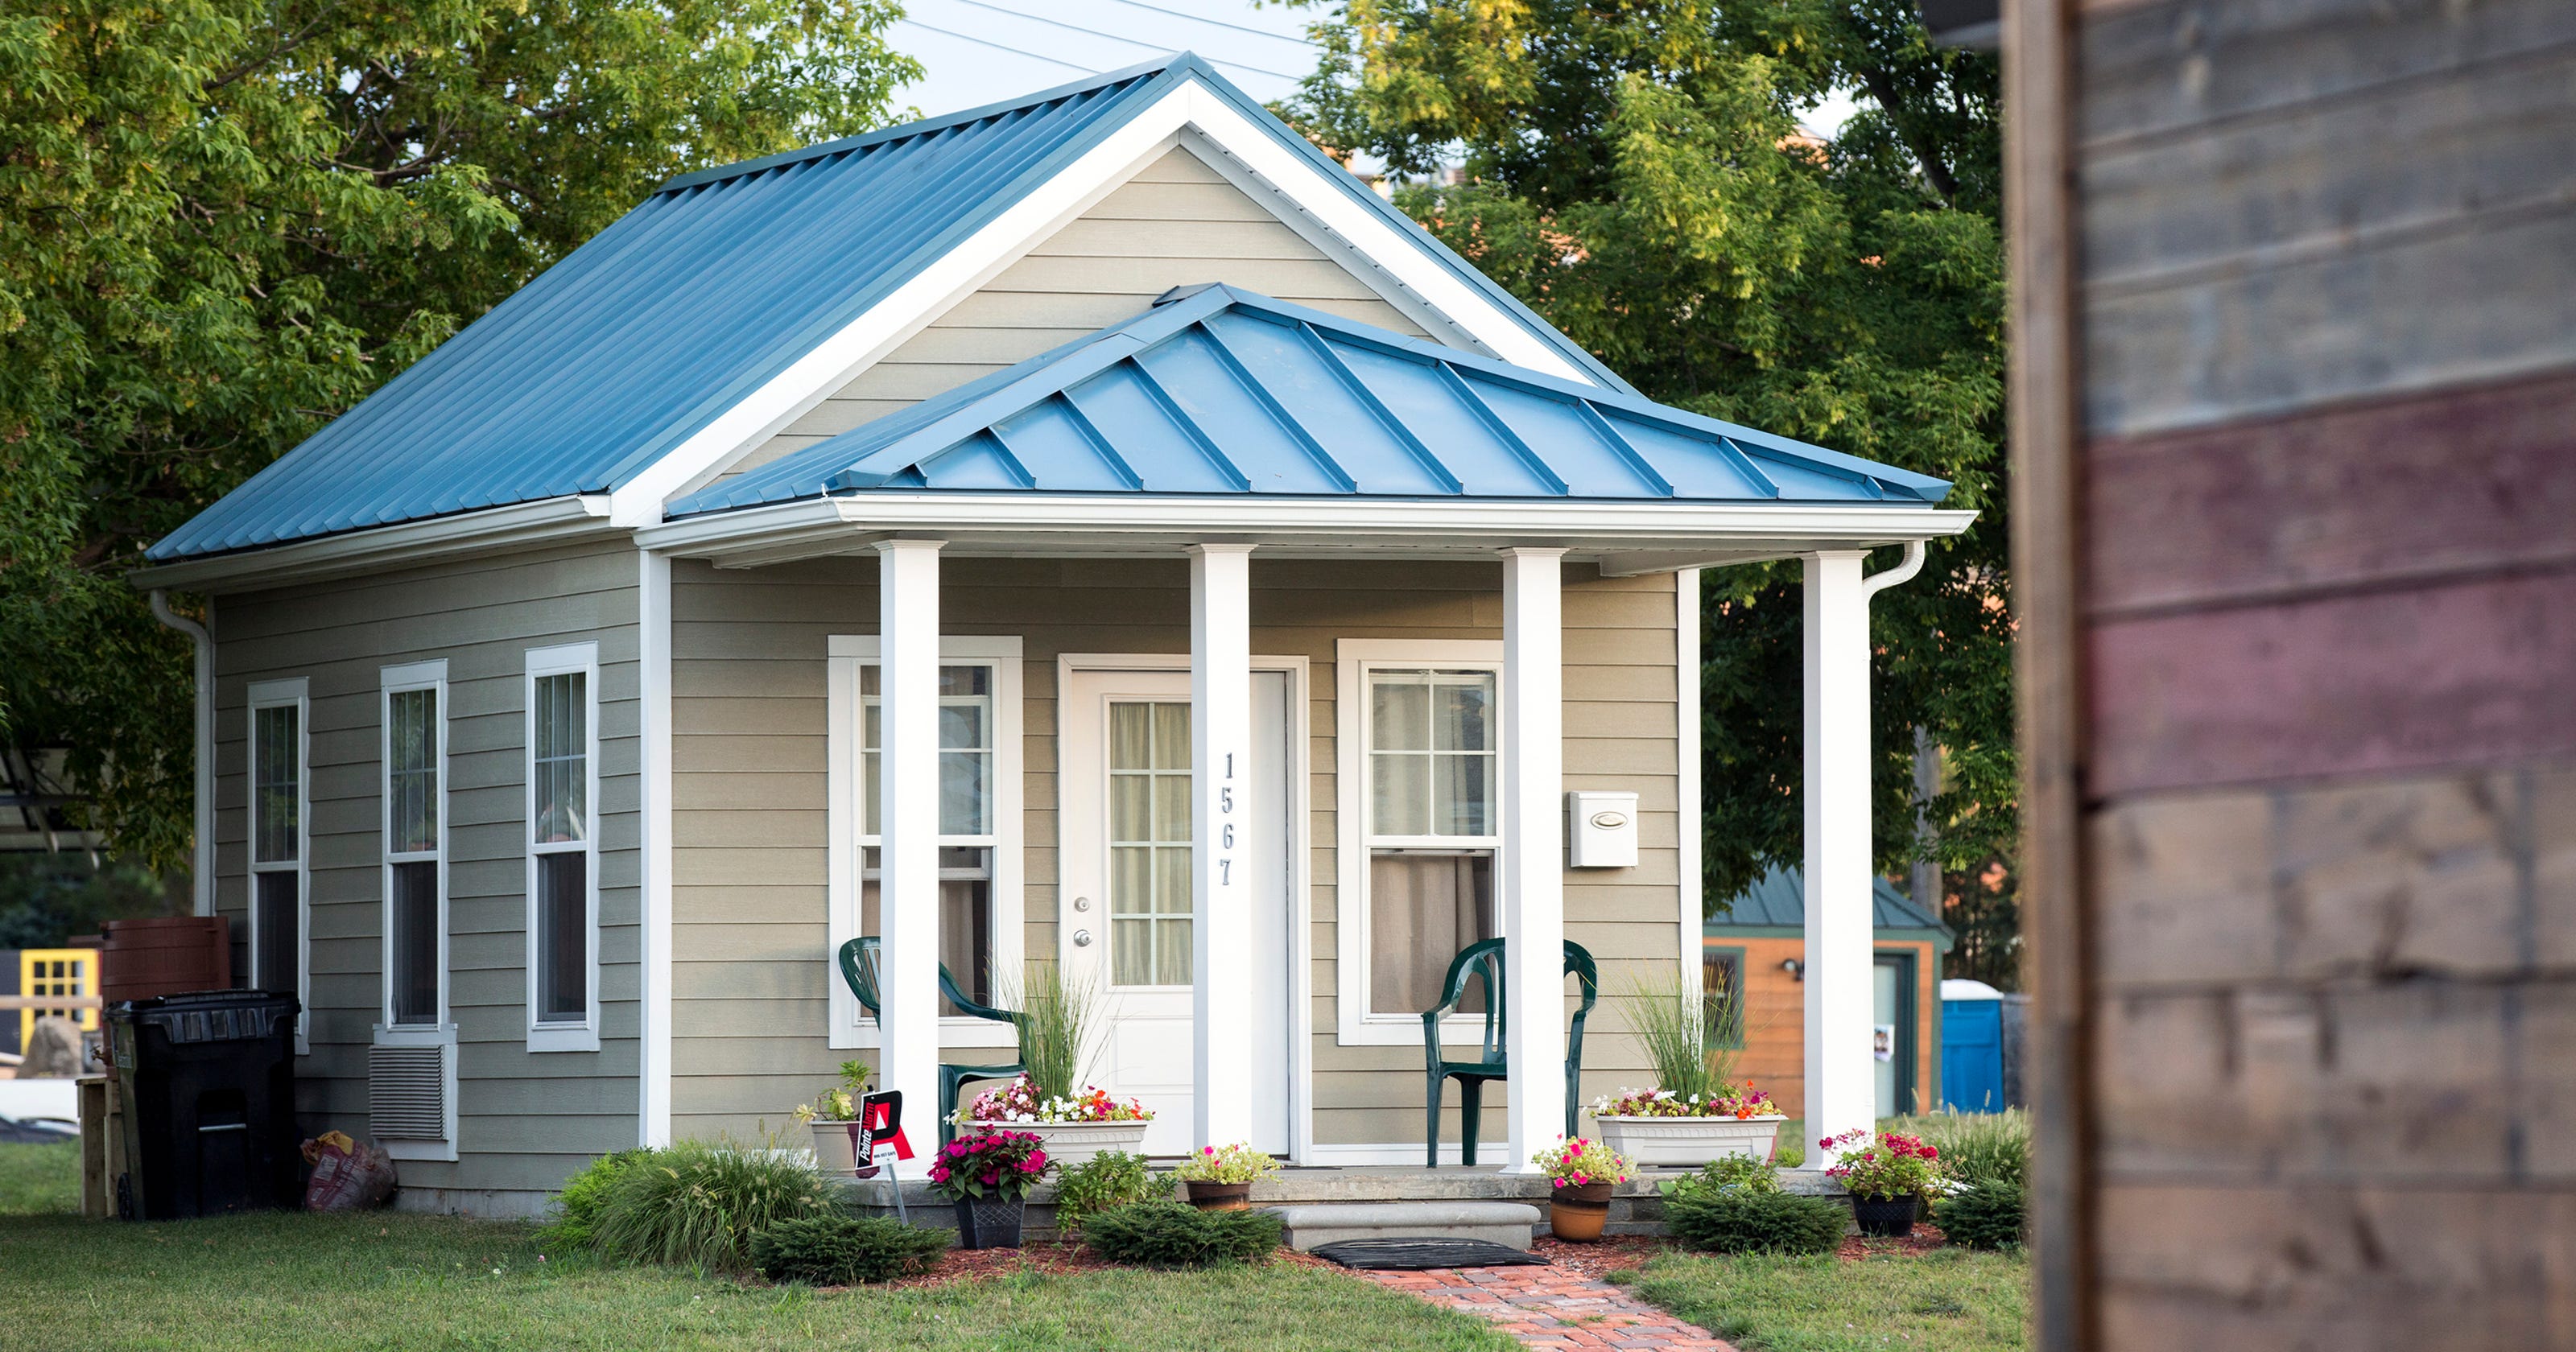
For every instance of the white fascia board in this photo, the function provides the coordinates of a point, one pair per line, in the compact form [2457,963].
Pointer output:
[1191,106]
[376,548]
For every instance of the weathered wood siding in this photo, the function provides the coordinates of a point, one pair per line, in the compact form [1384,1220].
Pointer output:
[1774,1054]
[2307,941]
[748,717]
[1176,223]
[523,1121]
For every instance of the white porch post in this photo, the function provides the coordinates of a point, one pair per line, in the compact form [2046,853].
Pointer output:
[908,822]
[1533,866]
[1841,1091]
[1220,759]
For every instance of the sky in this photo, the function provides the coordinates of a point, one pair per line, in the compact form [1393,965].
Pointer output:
[984,51]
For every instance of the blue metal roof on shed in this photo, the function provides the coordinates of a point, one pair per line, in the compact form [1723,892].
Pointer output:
[714,285]
[1218,390]
[1779,899]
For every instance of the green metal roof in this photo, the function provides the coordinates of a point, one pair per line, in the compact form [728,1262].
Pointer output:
[1778,900]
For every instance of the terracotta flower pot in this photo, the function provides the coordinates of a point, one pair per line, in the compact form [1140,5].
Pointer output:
[1575,1212]
[1886,1217]
[1220,1196]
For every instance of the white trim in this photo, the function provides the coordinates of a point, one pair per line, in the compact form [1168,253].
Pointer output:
[1687,788]
[1408,1154]
[1221,1052]
[844,813]
[1835,990]
[1530,872]
[291,693]
[569,659]
[653,623]
[375,548]
[442,1037]
[1353,659]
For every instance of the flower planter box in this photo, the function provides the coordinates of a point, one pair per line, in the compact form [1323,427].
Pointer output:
[833,1153]
[1208,1196]
[1070,1143]
[1689,1141]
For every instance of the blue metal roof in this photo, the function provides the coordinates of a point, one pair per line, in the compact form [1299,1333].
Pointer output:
[1218,390]
[715,284]
[1778,899]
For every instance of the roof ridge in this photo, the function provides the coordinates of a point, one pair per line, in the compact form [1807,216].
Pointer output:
[922,126]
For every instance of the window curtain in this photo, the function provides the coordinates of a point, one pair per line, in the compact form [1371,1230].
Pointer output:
[1424,909]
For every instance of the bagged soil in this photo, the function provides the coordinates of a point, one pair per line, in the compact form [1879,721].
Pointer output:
[347,1176]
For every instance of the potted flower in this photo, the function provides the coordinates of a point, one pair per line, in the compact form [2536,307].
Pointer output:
[1074,1127]
[1220,1178]
[1581,1175]
[833,1118]
[1889,1179]
[988,1178]
[1695,1113]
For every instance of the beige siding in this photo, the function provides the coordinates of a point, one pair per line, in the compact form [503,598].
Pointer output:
[1176,223]
[523,1121]
[748,731]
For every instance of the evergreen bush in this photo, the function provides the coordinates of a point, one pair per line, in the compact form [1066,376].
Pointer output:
[1162,1233]
[1987,1216]
[1739,1221]
[1106,1181]
[698,1203]
[838,1249]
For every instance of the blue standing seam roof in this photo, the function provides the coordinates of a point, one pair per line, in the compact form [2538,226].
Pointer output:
[1218,390]
[714,285]
[1779,898]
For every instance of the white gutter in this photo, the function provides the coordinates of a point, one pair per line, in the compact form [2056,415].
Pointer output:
[373,549]
[204,881]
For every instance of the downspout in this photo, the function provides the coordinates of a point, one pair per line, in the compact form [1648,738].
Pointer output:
[1903,572]
[204,881]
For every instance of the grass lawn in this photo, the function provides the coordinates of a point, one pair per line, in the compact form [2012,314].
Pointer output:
[379,1280]
[39,1179]
[1946,1300]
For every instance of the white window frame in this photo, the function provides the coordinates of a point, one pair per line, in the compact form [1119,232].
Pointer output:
[293,694]
[849,1026]
[1353,660]
[570,659]
[429,675]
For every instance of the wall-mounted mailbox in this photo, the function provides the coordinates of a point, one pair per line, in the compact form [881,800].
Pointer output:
[1601,829]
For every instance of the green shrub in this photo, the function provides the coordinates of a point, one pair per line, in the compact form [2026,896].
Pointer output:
[838,1249]
[1732,1174]
[698,1203]
[1987,1216]
[1755,1222]
[1976,1147]
[1173,1234]
[575,1223]
[1104,1182]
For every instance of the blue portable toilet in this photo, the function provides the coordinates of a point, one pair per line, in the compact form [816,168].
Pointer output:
[1972,1047]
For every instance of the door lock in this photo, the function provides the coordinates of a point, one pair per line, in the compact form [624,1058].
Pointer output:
[1082,903]
[1082,938]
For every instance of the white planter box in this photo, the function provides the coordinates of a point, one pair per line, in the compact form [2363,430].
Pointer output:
[1689,1141]
[832,1153]
[1070,1143]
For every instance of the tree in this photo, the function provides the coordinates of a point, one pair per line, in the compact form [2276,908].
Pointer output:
[230,220]
[1635,172]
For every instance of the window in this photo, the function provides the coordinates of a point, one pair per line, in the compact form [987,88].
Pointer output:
[1721,986]
[979,824]
[415,760]
[277,842]
[563,848]
[1421,768]
[1150,902]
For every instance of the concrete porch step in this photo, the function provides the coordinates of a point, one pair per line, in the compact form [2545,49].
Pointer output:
[1307,1224]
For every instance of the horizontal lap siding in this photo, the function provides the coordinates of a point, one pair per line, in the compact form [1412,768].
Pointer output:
[753,976]
[523,1121]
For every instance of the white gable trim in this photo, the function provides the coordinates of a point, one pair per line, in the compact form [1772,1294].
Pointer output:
[834,362]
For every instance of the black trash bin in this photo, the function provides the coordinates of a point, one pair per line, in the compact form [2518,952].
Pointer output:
[209,1085]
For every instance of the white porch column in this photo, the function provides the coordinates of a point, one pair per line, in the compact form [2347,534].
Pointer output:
[1533,865]
[1841,1089]
[1221,778]
[908,822]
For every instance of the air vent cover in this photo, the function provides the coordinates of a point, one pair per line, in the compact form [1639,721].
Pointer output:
[407,1092]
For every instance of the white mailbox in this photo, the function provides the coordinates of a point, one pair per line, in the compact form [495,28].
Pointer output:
[1601,829]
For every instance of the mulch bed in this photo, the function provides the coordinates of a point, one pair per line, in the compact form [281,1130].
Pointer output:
[1597,1260]
[968,1265]
[1924,1240]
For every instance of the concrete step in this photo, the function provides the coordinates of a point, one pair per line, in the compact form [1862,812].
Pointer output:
[1307,1224]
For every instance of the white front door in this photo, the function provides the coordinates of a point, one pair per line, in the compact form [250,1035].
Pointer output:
[1126,913]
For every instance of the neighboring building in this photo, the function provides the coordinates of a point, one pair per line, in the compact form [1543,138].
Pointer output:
[1756,950]
[870,539]
[2294,439]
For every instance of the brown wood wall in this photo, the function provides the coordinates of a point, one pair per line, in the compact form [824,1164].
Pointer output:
[1774,1056]
[2296,416]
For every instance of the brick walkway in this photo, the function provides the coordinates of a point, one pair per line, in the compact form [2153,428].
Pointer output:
[1551,1307]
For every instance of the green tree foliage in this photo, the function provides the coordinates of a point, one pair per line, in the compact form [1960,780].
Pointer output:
[229,220]
[1635,172]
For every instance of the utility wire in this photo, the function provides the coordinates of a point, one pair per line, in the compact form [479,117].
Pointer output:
[997,46]
[1113,37]
[1201,18]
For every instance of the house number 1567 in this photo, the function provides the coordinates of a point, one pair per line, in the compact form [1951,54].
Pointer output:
[1225,829]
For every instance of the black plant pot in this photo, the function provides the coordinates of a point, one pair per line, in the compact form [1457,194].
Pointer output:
[990,1222]
[1886,1217]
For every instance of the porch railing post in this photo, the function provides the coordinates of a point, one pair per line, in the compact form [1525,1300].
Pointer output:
[908,824]
[1841,1090]
[1220,819]
[1533,868]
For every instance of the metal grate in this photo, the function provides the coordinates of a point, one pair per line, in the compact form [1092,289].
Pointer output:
[407,1092]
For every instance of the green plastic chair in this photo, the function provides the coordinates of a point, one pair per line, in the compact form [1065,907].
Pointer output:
[859,967]
[1484,960]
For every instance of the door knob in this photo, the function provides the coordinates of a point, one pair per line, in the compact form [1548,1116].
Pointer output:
[1082,938]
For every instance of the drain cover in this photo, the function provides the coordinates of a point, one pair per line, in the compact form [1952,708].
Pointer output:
[1428,1252]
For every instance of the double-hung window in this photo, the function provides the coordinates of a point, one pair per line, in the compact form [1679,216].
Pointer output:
[563,848]
[278,830]
[1421,806]
[415,797]
[979,823]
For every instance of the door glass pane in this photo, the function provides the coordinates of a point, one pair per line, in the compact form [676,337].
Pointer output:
[1149,845]
[1171,807]
[1172,737]
[1884,994]
[1131,879]
[1172,942]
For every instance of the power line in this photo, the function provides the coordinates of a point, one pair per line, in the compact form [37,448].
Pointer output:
[1201,18]
[1113,37]
[997,46]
